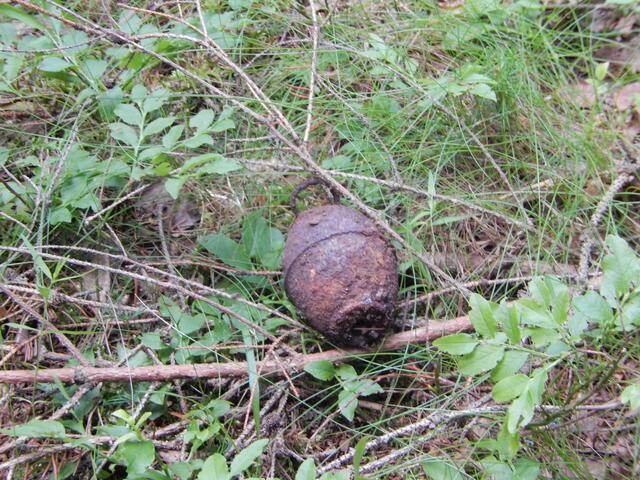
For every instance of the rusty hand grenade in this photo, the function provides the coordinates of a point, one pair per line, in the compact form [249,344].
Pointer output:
[340,272]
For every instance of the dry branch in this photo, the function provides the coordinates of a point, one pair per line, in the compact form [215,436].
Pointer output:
[232,369]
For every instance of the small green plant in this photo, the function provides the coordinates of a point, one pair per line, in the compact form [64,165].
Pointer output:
[544,328]
[352,386]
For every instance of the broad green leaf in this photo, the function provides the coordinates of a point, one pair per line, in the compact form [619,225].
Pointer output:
[621,269]
[139,93]
[157,126]
[171,138]
[214,468]
[526,469]
[601,71]
[182,470]
[60,215]
[191,323]
[439,469]
[456,344]
[320,369]
[54,64]
[220,166]
[198,141]
[226,250]
[338,162]
[20,15]
[363,388]
[542,337]
[155,100]
[347,404]
[137,456]
[631,313]
[481,316]
[346,372]
[202,120]
[307,470]
[124,133]
[128,114]
[512,361]
[247,457]
[222,125]
[631,395]
[589,308]
[93,68]
[509,388]
[339,475]
[36,429]
[483,90]
[482,359]
[509,318]
[507,443]
[152,340]
[174,185]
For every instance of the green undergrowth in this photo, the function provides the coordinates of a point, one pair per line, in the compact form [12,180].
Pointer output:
[143,213]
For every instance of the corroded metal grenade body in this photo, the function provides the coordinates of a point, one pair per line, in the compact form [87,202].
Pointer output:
[341,273]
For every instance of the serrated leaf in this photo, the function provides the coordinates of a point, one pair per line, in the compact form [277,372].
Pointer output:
[481,316]
[214,468]
[320,369]
[36,429]
[124,133]
[128,114]
[483,90]
[307,470]
[54,64]
[172,136]
[226,250]
[202,120]
[157,126]
[509,388]
[456,344]
[482,359]
[247,457]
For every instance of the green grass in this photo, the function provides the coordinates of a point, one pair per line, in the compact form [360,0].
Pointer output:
[507,73]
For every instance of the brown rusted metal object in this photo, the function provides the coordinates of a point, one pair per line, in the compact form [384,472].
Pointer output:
[340,272]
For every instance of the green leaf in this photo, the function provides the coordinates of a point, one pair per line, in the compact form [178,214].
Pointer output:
[198,141]
[526,469]
[483,90]
[124,133]
[320,369]
[589,308]
[220,166]
[202,120]
[511,362]
[37,258]
[20,15]
[339,475]
[128,114]
[93,68]
[439,469]
[347,404]
[509,388]
[226,250]
[481,316]
[307,470]
[172,137]
[157,126]
[54,64]
[247,457]
[174,185]
[191,323]
[482,359]
[214,468]
[182,470]
[222,125]
[152,340]
[60,215]
[137,456]
[456,344]
[631,395]
[346,372]
[601,71]
[155,100]
[36,429]
[630,313]
[621,269]
[509,318]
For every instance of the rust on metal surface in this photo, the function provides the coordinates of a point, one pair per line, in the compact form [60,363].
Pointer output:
[341,273]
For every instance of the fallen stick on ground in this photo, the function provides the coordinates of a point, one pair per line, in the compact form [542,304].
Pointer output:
[155,373]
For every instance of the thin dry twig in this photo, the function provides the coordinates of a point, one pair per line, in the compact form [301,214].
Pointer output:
[231,369]
[315,31]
